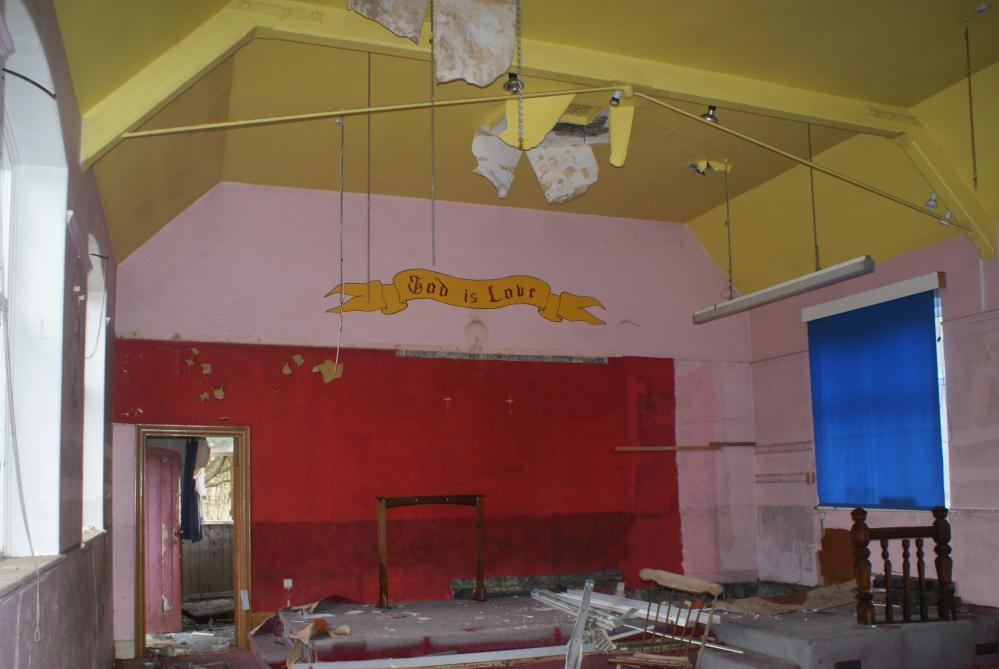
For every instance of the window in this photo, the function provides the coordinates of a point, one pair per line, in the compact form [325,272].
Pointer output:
[876,376]
[94,372]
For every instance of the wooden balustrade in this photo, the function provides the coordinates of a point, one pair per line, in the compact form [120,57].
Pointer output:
[861,535]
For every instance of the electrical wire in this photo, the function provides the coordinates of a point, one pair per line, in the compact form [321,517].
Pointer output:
[339,333]
[32,82]
[811,177]
[971,105]
[520,89]
[433,141]
[368,201]
[728,232]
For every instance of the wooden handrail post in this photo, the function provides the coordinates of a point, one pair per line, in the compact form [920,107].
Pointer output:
[860,536]
[946,609]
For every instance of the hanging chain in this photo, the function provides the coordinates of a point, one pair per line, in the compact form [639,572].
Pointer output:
[728,231]
[971,105]
[520,90]
[368,204]
[433,142]
[811,177]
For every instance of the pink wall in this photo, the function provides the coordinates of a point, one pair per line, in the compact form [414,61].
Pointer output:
[788,527]
[251,264]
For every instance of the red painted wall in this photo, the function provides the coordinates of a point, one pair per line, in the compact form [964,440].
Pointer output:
[558,498]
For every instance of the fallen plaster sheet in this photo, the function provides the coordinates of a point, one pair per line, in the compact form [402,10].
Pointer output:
[497,160]
[817,599]
[402,17]
[564,172]
[474,39]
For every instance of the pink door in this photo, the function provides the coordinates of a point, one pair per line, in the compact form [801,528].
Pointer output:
[162,528]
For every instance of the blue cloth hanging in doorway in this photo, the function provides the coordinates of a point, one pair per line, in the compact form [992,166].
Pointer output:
[190,501]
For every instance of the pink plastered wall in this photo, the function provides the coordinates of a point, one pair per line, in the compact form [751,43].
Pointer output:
[253,264]
[789,527]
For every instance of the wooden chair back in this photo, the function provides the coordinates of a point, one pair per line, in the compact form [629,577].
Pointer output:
[861,535]
[677,622]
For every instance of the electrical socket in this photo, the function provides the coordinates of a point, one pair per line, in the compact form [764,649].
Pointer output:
[287,584]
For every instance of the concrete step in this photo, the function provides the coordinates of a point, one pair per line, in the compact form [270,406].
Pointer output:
[718,659]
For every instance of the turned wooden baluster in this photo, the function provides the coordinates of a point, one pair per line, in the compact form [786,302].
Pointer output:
[860,536]
[921,574]
[906,608]
[946,609]
[889,613]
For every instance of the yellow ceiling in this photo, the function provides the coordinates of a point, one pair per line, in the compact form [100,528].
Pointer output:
[838,48]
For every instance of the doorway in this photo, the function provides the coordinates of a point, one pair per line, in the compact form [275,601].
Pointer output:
[192,576]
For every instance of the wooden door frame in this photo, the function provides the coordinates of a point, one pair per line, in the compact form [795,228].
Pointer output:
[240,520]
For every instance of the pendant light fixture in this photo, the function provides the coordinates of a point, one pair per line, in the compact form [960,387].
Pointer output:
[802,284]
[710,116]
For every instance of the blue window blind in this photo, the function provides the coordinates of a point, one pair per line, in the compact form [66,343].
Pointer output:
[876,405]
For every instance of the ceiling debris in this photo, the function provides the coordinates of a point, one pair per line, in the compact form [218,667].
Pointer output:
[497,160]
[539,116]
[564,172]
[402,17]
[329,369]
[621,118]
[474,39]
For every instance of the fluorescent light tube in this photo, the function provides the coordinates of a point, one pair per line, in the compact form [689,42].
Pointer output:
[801,284]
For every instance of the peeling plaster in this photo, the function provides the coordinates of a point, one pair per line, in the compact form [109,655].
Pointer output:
[206,368]
[219,393]
[204,397]
[329,369]
[298,359]
[402,17]
[286,370]
[564,172]
[497,160]
[475,39]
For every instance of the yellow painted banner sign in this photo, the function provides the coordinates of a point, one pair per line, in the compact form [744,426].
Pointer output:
[425,284]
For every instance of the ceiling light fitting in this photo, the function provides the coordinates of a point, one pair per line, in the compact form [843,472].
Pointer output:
[710,116]
[615,100]
[801,284]
[513,84]
[945,221]
[931,201]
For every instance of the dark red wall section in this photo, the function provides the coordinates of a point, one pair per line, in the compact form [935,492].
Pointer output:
[536,438]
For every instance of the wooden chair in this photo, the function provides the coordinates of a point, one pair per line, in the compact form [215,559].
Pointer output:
[677,621]
[861,535]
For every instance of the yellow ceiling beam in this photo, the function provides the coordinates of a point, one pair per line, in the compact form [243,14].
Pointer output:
[296,21]
[954,193]
[177,68]
[161,81]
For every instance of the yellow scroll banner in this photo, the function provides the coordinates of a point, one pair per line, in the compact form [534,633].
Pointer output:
[425,284]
